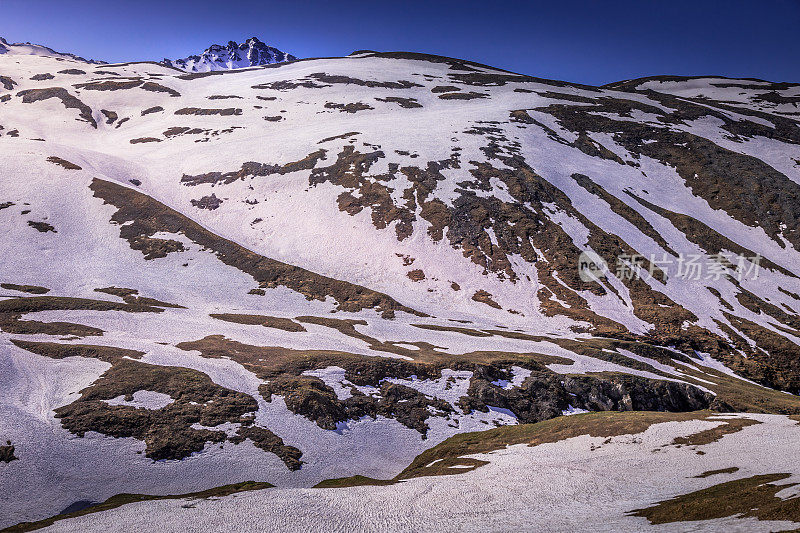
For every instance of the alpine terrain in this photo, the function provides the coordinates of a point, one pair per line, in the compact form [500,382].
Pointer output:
[364,293]
[250,53]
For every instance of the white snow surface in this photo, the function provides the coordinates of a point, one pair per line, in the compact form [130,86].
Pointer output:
[580,483]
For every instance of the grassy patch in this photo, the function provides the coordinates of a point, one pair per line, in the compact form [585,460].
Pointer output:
[447,458]
[131,296]
[31,289]
[13,309]
[286,324]
[63,163]
[439,459]
[352,481]
[124,499]
[198,111]
[55,350]
[714,434]
[740,395]
[752,497]
[709,473]
[466,331]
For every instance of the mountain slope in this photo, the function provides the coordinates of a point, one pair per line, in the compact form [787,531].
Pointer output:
[317,269]
[574,475]
[28,49]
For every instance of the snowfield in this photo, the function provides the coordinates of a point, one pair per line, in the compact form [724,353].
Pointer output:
[316,269]
[575,484]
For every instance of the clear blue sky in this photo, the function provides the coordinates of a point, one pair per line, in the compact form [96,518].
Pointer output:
[592,42]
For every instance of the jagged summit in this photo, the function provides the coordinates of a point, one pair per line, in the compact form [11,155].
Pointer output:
[250,53]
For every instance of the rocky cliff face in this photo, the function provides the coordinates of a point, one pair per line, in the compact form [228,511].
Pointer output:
[250,53]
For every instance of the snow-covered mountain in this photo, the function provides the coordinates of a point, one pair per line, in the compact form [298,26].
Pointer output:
[328,267]
[250,53]
[39,50]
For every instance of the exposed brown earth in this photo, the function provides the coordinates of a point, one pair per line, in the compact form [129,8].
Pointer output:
[158,88]
[352,481]
[69,101]
[465,331]
[462,96]
[109,85]
[167,431]
[131,296]
[491,231]
[7,453]
[13,309]
[347,80]
[708,436]
[150,110]
[465,227]
[709,473]
[286,324]
[745,187]
[63,163]
[182,130]
[207,202]
[202,112]
[8,83]
[407,103]
[342,136]
[253,169]
[416,275]
[111,116]
[353,107]
[485,298]
[445,89]
[465,224]
[31,289]
[55,350]
[42,227]
[12,323]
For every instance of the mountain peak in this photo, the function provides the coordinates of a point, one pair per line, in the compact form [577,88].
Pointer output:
[252,52]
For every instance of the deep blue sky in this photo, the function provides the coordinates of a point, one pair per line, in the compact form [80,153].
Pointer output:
[582,41]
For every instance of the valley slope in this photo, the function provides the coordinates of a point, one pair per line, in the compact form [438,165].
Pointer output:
[322,268]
